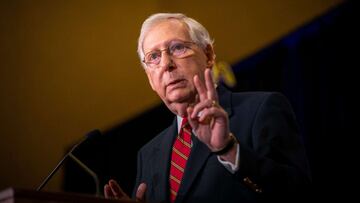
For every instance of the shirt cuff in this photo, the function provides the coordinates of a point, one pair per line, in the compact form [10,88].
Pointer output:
[232,168]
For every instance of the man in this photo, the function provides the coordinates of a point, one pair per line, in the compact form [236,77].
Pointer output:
[222,146]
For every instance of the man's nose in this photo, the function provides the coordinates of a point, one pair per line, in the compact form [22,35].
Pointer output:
[166,61]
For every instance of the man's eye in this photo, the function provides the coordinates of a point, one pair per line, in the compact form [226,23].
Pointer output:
[153,56]
[177,48]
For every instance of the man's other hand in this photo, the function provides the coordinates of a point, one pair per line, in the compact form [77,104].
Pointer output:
[112,190]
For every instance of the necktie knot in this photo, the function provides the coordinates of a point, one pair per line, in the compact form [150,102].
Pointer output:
[185,122]
[185,130]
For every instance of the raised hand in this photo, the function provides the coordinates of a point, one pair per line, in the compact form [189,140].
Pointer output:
[207,118]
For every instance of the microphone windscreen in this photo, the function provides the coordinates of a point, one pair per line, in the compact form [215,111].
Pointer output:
[93,134]
[90,137]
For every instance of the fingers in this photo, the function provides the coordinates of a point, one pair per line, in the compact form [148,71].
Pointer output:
[200,88]
[140,193]
[207,96]
[107,192]
[204,113]
[198,108]
[116,190]
[207,90]
[112,190]
[208,114]
[211,92]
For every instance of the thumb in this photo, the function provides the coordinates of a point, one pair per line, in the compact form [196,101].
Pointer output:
[140,193]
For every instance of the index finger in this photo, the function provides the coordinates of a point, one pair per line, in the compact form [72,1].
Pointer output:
[209,82]
[108,192]
[200,88]
[116,190]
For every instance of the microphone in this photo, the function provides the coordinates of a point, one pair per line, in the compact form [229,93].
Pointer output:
[91,135]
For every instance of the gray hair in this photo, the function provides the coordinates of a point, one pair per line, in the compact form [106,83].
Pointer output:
[197,32]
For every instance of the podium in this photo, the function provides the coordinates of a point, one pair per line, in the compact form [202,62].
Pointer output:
[14,195]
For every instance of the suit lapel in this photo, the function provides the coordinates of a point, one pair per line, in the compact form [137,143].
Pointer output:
[161,161]
[225,99]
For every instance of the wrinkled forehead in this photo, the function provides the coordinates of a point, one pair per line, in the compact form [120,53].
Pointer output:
[160,34]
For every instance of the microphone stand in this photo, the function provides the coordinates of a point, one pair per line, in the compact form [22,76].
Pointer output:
[80,163]
[51,174]
[89,171]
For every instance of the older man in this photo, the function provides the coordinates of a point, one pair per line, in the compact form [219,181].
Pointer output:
[222,146]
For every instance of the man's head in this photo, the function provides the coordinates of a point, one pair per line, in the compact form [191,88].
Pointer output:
[173,49]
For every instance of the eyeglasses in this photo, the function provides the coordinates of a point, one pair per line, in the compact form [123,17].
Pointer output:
[177,49]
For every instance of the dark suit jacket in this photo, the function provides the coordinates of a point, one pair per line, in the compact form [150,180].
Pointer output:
[272,158]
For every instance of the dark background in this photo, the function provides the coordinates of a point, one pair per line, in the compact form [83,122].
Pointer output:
[313,66]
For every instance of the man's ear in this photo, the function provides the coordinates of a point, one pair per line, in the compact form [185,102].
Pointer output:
[148,74]
[210,55]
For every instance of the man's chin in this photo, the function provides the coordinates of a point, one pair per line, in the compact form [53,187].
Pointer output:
[178,96]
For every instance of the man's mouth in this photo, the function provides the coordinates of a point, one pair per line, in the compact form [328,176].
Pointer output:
[176,83]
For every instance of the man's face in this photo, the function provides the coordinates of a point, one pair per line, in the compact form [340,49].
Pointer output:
[172,78]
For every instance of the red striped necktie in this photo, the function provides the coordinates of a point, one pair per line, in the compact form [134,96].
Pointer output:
[180,153]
